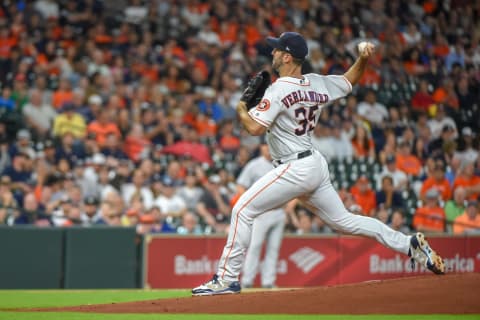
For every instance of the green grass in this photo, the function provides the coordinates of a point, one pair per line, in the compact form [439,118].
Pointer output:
[85,316]
[58,298]
[61,298]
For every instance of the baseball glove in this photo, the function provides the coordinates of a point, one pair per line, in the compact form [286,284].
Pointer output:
[253,93]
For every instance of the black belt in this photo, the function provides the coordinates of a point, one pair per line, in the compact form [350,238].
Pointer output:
[300,155]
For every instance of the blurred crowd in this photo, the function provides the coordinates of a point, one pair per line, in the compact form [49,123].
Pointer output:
[124,115]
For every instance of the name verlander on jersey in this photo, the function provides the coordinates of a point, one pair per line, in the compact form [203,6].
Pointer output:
[304,96]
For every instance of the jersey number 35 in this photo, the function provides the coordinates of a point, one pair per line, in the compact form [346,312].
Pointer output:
[305,117]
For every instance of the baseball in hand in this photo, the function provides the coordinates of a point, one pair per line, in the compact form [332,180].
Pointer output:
[361,46]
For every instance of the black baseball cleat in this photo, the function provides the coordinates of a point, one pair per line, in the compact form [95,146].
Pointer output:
[216,286]
[421,252]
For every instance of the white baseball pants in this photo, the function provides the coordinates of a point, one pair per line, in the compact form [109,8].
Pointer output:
[307,178]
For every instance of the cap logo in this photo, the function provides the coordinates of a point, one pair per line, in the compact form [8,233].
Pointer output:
[287,48]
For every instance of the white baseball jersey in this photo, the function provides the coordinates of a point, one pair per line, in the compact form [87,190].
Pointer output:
[291,107]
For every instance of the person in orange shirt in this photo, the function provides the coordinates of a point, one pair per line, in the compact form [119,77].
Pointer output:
[227,140]
[63,94]
[466,178]
[136,144]
[406,161]
[102,127]
[430,217]
[446,95]
[437,180]
[362,142]
[469,221]
[364,196]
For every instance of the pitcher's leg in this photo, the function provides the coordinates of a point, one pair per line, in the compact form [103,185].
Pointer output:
[272,191]
[328,205]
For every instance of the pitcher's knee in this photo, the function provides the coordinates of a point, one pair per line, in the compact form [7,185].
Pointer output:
[347,223]
[243,212]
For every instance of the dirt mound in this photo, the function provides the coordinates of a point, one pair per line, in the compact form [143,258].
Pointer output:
[452,294]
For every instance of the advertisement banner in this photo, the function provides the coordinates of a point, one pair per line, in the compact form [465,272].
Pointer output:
[184,262]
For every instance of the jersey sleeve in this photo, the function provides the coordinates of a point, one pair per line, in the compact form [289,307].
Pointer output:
[338,86]
[268,109]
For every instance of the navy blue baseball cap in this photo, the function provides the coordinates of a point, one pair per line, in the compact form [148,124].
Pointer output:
[291,42]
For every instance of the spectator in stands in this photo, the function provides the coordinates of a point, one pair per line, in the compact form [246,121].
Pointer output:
[31,213]
[8,203]
[437,181]
[388,197]
[69,121]
[137,188]
[20,172]
[4,154]
[382,214]
[406,161]
[362,142]
[103,126]
[400,179]
[190,192]
[389,147]
[364,196]
[89,112]
[104,186]
[136,146]
[438,147]
[446,96]
[371,110]
[174,172]
[109,215]
[440,122]
[155,124]
[227,139]
[469,221]
[209,106]
[131,217]
[466,178]
[422,100]
[466,151]
[456,206]
[39,116]
[7,104]
[67,149]
[453,169]
[148,224]
[90,215]
[113,148]
[189,224]
[63,94]
[23,144]
[430,217]
[173,207]
[397,222]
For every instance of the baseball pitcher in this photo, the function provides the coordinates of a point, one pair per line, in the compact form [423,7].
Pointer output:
[287,112]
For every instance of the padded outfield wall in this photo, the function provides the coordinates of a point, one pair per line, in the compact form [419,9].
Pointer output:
[184,262]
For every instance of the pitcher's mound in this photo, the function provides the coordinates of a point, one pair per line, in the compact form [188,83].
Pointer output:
[455,293]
